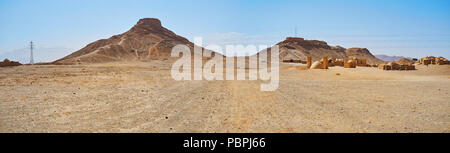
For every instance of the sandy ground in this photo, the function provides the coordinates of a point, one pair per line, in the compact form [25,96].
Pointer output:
[143,97]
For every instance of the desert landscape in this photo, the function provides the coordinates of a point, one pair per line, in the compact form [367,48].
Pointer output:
[124,84]
[143,97]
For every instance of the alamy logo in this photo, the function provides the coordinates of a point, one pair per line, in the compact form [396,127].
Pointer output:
[191,65]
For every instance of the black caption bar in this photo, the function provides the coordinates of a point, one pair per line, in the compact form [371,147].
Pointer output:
[221,142]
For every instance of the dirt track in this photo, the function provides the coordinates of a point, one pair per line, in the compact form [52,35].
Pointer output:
[143,97]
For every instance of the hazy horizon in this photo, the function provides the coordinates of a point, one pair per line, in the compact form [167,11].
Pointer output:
[402,28]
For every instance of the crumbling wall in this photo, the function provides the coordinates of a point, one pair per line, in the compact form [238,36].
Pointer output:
[361,62]
[396,66]
[384,67]
[350,63]
[309,62]
[339,62]
[325,62]
[433,60]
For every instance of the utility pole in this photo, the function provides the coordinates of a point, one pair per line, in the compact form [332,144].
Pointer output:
[31,53]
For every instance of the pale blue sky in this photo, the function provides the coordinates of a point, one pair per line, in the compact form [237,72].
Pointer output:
[413,28]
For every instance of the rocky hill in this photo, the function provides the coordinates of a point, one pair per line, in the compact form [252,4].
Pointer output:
[147,40]
[299,48]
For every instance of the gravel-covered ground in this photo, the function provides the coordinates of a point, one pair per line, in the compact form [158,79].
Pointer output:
[143,97]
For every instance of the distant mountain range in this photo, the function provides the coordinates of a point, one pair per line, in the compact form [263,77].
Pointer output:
[390,58]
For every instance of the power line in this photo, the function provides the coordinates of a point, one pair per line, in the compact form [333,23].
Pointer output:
[31,52]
